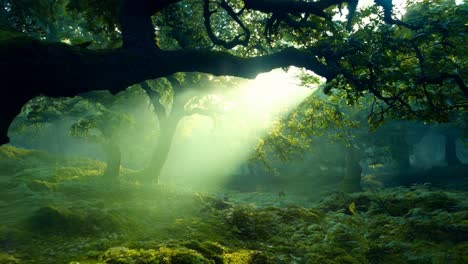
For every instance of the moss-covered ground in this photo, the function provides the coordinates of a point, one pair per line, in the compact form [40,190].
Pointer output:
[58,210]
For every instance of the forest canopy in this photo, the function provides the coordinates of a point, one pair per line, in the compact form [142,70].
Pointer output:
[410,65]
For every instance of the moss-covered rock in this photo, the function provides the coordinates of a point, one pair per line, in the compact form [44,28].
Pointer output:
[56,219]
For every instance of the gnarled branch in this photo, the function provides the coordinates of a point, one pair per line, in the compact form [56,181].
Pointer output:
[242,39]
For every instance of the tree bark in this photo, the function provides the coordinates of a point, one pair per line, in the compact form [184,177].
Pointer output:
[168,123]
[137,27]
[352,179]
[153,171]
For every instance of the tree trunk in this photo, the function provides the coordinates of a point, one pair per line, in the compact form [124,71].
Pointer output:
[352,179]
[113,157]
[451,150]
[137,26]
[168,129]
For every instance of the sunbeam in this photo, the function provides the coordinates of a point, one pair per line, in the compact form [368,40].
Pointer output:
[208,150]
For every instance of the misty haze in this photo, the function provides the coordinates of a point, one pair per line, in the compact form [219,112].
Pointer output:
[233,132]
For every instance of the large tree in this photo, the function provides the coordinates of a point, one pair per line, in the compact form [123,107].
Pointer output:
[188,94]
[240,38]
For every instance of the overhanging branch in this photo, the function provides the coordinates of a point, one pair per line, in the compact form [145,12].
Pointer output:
[241,39]
[31,67]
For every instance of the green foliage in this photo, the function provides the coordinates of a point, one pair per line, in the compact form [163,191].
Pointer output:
[413,69]
[64,20]
[175,27]
[101,16]
[407,70]
[332,118]
[107,123]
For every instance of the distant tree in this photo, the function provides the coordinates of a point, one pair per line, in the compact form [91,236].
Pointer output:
[331,119]
[321,121]
[48,115]
[174,98]
[103,127]
[95,117]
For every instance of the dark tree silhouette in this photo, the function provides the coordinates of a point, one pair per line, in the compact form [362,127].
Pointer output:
[239,38]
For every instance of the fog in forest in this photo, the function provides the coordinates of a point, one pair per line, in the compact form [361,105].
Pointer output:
[208,150]
[213,146]
[233,132]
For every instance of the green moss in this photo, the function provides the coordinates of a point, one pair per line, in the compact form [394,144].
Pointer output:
[11,237]
[8,259]
[188,258]
[73,173]
[322,254]
[165,225]
[436,201]
[347,260]
[122,255]
[208,249]
[459,254]
[335,201]
[251,223]
[371,183]
[258,257]
[247,257]
[295,213]
[314,258]
[10,152]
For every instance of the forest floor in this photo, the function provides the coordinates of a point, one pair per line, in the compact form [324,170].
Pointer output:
[58,210]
